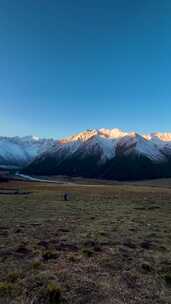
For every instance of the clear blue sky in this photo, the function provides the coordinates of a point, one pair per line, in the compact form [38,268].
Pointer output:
[69,65]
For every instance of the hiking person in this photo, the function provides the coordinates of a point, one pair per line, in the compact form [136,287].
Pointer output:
[65,196]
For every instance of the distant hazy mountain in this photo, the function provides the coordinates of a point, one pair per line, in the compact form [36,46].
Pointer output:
[20,151]
[102,153]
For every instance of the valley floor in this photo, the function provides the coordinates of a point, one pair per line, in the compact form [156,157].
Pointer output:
[109,243]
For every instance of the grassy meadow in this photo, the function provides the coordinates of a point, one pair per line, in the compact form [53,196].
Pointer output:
[109,244]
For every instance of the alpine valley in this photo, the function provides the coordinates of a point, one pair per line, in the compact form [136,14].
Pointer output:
[94,153]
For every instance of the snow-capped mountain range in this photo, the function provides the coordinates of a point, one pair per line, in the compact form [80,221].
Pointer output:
[108,143]
[93,151]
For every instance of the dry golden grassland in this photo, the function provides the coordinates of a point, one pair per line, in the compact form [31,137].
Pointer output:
[107,244]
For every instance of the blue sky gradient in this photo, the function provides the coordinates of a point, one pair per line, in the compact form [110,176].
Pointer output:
[69,65]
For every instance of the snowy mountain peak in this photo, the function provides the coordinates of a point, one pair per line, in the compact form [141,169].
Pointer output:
[89,133]
[112,133]
[162,136]
[82,136]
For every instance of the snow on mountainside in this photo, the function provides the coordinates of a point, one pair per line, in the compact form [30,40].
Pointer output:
[101,142]
[104,144]
[16,151]
[134,143]
[162,141]
[104,153]
[107,142]
[96,141]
